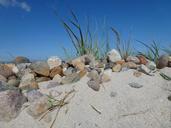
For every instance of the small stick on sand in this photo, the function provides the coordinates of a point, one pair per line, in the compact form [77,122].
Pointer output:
[96,109]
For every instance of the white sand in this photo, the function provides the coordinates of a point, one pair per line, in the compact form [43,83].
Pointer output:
[146,107]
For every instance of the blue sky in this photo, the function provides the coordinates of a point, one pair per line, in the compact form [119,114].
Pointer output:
[30,28]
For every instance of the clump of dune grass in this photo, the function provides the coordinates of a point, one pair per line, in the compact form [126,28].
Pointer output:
[123,47]
[153,51]
[83,39]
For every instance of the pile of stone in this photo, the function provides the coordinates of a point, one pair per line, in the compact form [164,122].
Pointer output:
[24,81]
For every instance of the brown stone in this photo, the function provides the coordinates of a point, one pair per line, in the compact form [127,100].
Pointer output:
[5,71]
[142,59]
[130,65]
[117,68]
[137,74]
[121,62]
[21,59]
[55,71]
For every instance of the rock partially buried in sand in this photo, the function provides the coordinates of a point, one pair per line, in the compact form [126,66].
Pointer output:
[93,75]
[135,85]
[166,71]
[54,61]
[145,70]
[10,104]
[21,59]
[41,68]
[94,84]
[48,84]
[163,61]
[38,107]
[114,55]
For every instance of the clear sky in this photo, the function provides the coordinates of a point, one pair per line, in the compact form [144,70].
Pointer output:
[30,28]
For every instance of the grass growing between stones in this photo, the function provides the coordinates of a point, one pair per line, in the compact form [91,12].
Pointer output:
[124,48]
[153,51]
[83,39]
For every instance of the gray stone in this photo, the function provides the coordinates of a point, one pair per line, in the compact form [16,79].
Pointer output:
[166,71]
[151,65]
[13,82]
[135,85]
[10,104]
[93,75]
[144,69]
[163,61]
[69,71]
[41,68]
[2,78]
[33,95]
[71,78]
[94,84]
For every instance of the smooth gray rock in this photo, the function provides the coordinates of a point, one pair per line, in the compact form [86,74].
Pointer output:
[135,85]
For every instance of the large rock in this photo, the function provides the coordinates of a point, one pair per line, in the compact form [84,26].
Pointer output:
[114,55]
[94,84]
[54,61]
[5,70]
[28,81]
[163,61]
[39,106]
[21,59]
[55,71]
[10,104]
[41,68]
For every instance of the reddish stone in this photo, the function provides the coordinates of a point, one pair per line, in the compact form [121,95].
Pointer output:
[142,59]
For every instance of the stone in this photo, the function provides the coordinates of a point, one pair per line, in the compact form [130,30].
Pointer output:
[23,66]
[41,68]
[130,65]
[144,69]
[135,85]
[94,84]
[13,67]
[42,79]
[163,61]
[21,59]
[28,81]
[48,84]
[2,78]
[10,104]
[79,63]
[93,75]
[71,78]
[38,107]
[142,59]
[105,78]
[116,68]
[57,78]
[166,71]
[33,95]
[54,61]
[13,82]
[114,55]
[69,71]
[121,62]
[137,74]
[56,70]
[151,65]
[5,71]
[133,59]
